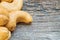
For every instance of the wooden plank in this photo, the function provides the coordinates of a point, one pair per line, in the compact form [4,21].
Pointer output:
[45,25]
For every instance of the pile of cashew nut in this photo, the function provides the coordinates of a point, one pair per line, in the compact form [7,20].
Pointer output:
[10,15]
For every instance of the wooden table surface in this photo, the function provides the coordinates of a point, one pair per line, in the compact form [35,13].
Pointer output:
[46,21]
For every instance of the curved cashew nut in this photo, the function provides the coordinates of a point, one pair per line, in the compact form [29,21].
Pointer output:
[3,20]
[14,6]
[18,16]
[5,34]
[7,1]
[3,11]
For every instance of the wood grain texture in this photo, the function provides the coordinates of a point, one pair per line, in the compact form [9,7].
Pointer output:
[46,21]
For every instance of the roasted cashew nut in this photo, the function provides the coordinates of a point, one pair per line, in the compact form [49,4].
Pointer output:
[18,16]
[7,1]
[3,11]
[5,34]
[3,20]
[14,6]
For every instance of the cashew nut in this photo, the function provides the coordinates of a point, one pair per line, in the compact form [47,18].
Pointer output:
[3,20]
[18,16]
[14,6]
[4,11]
[7,1]
[5,34]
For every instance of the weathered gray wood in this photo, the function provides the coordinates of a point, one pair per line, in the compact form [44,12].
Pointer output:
[46,21]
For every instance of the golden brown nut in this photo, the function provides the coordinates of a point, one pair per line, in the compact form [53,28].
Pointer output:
[5,34]
[18,16]
[3,20]
[3,11]
[7,1]
[15,5]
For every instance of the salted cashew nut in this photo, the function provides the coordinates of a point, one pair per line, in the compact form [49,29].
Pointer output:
[5,34]
[16,17]
[14,6]
[7,1]
[3,20]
